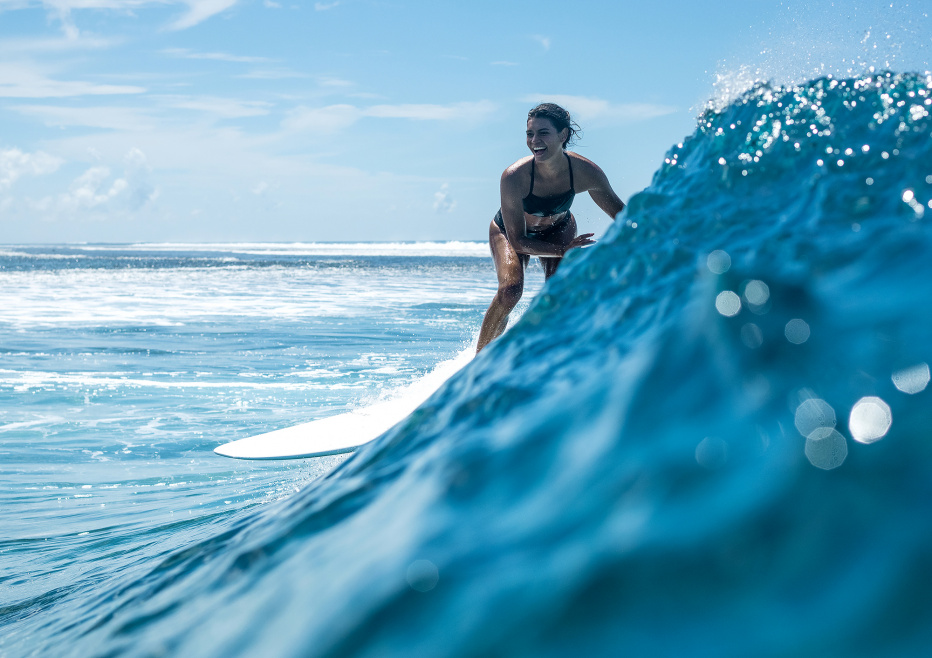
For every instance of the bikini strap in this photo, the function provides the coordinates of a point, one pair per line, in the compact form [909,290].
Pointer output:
[531,191]
[569,161]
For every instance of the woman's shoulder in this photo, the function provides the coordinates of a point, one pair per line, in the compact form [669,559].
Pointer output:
[581,162]
[522,166]
[585,170]
[518,173]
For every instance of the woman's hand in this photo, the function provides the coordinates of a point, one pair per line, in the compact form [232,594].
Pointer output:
[580,241]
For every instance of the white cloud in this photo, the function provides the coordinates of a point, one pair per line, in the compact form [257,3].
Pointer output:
[224,108]
[135,119]
[586,108]
[334,118]
[432,112]
[136,173]
[330,119]
[219,57]
[442,200]
[324,6]
[68,5]
[329,81]
[111,118]
[15,163]
[55,45]
[503,63]
[199,11]
[93,189]
[272,74]
[272,5]
[542,40]
[85,192]
[21,81]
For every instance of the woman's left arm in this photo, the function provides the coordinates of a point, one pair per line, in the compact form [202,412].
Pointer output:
[602,193]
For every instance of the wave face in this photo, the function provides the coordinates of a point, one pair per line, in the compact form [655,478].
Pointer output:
[708,435]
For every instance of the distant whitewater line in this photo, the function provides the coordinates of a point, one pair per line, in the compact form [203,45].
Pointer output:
[452,249]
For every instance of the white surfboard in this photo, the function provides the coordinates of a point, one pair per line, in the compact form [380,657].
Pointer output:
[348,431]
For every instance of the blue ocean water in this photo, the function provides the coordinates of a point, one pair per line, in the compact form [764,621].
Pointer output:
[707,435]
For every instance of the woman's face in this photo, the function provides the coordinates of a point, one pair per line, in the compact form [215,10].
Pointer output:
[544,140]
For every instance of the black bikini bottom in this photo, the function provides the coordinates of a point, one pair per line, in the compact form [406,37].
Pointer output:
[542,233]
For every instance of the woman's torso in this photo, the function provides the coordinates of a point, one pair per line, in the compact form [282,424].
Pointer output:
[542,211]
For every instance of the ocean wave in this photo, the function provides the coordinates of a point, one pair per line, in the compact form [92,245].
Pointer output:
[695,441]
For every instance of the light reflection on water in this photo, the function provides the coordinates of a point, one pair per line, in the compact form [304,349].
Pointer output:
[912,380]
[870,420]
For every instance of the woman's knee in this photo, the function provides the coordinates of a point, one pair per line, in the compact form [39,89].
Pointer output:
[510,294]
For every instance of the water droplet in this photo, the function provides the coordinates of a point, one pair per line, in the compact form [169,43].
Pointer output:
[870,420]
[751,336]
[728,303]
[908,196]
[912,380]
[813,414]
[826,448]
[712,452]
[423,575]
[797,331]
[756,292]
[718,262]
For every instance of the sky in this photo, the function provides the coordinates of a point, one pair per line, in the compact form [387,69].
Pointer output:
[373,120]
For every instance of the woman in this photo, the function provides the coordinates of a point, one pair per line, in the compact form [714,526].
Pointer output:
[535,217]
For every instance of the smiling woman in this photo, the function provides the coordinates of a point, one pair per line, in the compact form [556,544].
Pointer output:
[540,223]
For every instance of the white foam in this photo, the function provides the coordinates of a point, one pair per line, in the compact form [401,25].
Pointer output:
[414,394]
[346,431]
[172,297]
[29,379]
[453,248]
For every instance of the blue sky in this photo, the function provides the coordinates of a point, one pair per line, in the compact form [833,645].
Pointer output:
[358,120]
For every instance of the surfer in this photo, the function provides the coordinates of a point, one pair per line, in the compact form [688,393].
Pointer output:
[535,218]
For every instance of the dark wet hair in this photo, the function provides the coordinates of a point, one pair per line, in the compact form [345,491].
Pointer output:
[560,119]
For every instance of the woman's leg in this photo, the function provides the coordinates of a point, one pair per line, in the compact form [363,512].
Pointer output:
[509,267]
[563,236]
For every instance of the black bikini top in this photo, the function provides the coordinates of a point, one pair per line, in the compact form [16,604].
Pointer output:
[544,206]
